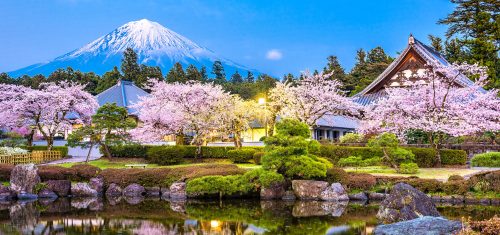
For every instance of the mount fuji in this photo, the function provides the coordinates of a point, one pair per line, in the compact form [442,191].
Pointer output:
[154,44]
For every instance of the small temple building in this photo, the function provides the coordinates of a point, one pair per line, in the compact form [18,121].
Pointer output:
[124,94]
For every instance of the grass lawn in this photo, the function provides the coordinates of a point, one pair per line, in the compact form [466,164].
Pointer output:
[425,173]
[120,163]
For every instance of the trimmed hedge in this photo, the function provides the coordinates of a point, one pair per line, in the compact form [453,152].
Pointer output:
[62,149]
[491,159]
[128,150]
[241,155]
[424,157]
[162,155]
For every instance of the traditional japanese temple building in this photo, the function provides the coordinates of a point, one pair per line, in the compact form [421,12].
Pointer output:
[124,94]
[403,70]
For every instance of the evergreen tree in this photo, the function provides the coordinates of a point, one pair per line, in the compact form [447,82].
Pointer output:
[475,24]
[6,79]
[338,73]
[288,78]
[108,80]
[236,78]
[129,66]
[436,43]
[148,72]
[250,78]
[192,73]
[203,73]
[176,74]
[218,71]
[368,67]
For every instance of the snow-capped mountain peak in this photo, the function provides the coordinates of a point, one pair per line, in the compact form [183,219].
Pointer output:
[155,45]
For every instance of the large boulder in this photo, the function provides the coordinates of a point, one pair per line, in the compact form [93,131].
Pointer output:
[24,178]
[405,203]
[60,187]
[275,191]
[334,192]
[422,225]
[178,191]
[165,193]
[6,194]
[134,190]
[83,190]
[318,208]
[308,189]
[114,190]
[47,193]
[97,183]
[358,196]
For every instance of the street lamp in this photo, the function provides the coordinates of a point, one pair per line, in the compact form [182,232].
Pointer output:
[262,101]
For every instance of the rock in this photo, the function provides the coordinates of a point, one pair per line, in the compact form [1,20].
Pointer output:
[358,197]
[24,178]
[334,192]
[422,225]
[289,195]
[114,190]
[97,184]
[6,194]
[308,189]
[27,196]
[83,190]
[275,191]
[405,203]
[60,187]
[165,193]
[134,200]
[24,216]
[114,200]
[178,206]
[178,191]
[318,208]
[97,204]
[83,202]
[134,190]
[152,191]
[436,198]
[377,196]
[47,193]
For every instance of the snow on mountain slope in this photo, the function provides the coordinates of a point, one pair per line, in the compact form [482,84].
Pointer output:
[154,44]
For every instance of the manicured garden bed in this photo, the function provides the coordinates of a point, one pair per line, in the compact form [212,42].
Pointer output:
[424,173]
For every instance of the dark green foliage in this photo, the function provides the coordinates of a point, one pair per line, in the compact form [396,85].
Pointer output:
[62,149]
[241,155]
[218,72]
[192,74]
[290,152]
[368,67]
[257,157]
[129,150]
[453,157]
[491,159]
[108,80]
[129,66]
[424,157]
[176,74]
[166,155]
[357,161]
[393,155]
[236,78]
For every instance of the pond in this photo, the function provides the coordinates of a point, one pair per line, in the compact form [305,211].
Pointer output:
[154,216]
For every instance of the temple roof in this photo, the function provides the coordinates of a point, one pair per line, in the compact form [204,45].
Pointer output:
[424,52]
[124,94]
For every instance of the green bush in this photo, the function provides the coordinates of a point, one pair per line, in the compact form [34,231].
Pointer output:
[361,181]
[336,175]
[455,177]
[424,157]
[408,168]
[128,150]
[62,149]
[166,155]
[425,185]
[257,156]
[453,157]
[241,155]
[491,159]
[352,138]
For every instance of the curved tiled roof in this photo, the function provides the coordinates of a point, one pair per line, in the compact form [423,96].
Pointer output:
[124,94]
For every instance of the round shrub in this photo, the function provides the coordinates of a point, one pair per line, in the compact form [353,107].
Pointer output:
[49,172]
[83,172]
[426,185]
[491,159]
[408,168]
[166,155]
[241,155]
[257,156]
[335,174]
[352,138]
[361,181]
[458,187]
[455,177]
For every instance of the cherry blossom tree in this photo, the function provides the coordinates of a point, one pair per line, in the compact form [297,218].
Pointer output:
[52,109]
[311,98]
[240,115]
[175,109]
[438,105]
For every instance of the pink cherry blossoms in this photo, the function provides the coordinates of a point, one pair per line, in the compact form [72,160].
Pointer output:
[51,110]
[311,98]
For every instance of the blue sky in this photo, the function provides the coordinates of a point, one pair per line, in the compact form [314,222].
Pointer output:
[274,37]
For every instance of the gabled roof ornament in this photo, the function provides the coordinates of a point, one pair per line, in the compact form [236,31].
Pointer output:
[411,40]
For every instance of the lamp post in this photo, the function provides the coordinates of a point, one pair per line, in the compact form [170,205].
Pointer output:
[262,101]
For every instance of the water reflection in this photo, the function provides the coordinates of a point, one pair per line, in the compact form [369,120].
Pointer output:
[154,216]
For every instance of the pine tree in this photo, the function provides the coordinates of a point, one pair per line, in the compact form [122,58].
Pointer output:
[108,80]
[368,67]
[288,78]
[338,73]
[192,73]
[218,71]
[130,68]
[176,74]
[436,43]
[203,73]
[236,78]
[475,24]
[148,72]
[250,78]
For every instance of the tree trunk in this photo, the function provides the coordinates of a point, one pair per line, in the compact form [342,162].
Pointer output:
[30,138]
[389,160]
[179,139]
[437,147]
[237,140]
[198,151]
[106,151]
[90,151]
[50,142]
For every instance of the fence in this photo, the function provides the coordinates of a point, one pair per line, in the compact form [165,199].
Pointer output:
[36,157]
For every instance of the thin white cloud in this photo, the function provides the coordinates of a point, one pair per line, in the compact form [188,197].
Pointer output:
[274,54]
